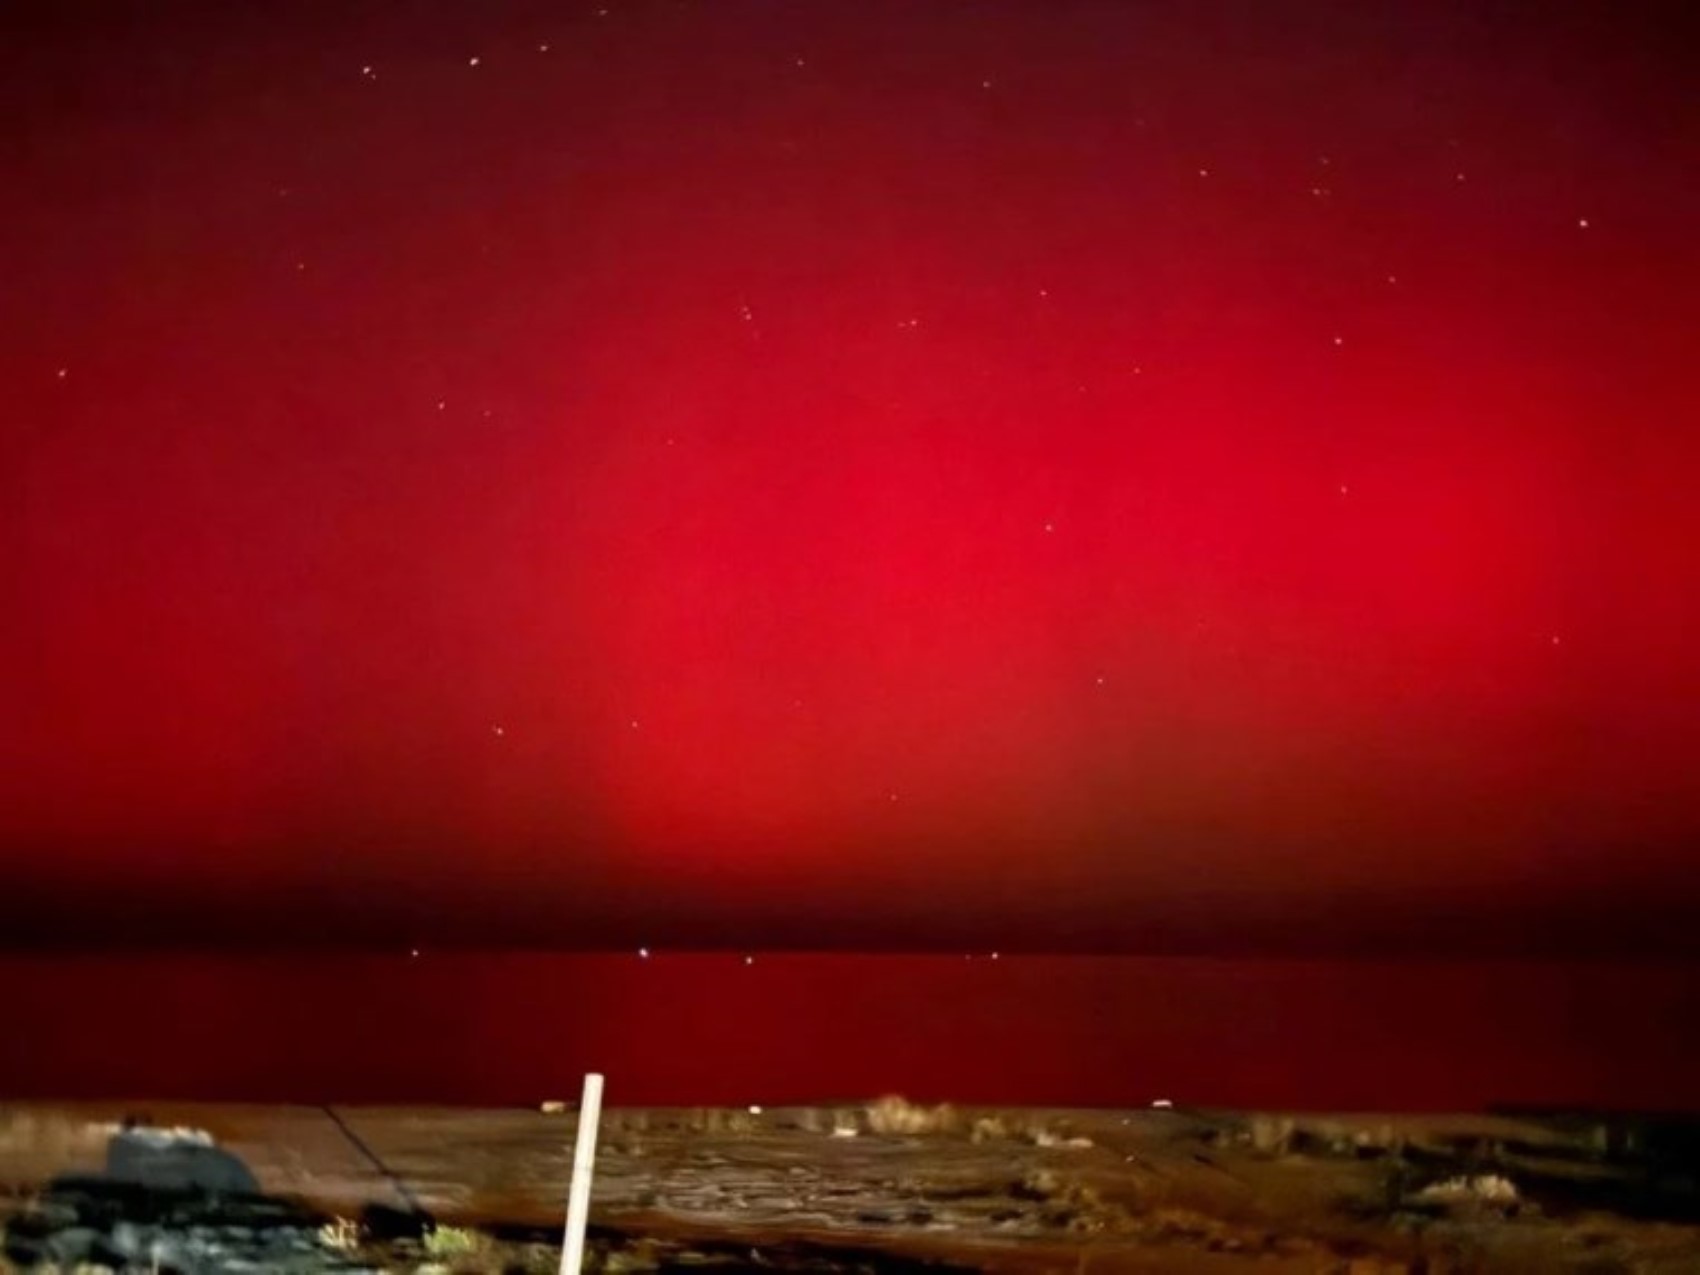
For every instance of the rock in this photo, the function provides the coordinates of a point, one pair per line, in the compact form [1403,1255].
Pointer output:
[383,1224]
[166,1160]
[23,1249]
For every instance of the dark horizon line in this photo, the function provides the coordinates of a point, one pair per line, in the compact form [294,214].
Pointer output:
[1393,954]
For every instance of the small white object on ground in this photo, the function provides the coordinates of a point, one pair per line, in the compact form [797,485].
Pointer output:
[1485,1189]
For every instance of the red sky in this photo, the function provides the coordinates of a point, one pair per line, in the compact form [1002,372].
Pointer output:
[1168,476]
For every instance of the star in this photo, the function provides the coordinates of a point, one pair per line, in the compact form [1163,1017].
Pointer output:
[1339,341]
[498,731]
[472,61]
[62,373]
[1049,527]
[366,71]
[643,953]
[413,953]
[543,48]
[634,723]
[1581,223]
[1343,489]
[749,960]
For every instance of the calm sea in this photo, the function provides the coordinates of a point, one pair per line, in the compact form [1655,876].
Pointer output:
[793,1028]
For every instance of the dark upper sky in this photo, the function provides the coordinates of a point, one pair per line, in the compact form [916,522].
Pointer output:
[1168,475]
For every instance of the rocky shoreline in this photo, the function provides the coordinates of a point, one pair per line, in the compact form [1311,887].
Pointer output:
[889,1187]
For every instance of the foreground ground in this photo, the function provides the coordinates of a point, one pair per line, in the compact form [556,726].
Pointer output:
[887,1186]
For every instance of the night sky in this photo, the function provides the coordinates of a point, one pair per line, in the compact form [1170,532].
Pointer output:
[1142,476]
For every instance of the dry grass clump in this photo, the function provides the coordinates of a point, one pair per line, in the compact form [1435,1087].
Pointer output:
[452,1242]
[896,1115]
[1033,1129]
[342,1234]
[1066,1203]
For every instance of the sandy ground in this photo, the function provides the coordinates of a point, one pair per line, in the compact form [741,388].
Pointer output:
[889,1185]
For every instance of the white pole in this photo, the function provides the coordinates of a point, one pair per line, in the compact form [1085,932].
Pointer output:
[584,1159]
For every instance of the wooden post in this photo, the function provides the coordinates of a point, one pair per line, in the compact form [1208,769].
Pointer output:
[584,1160]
